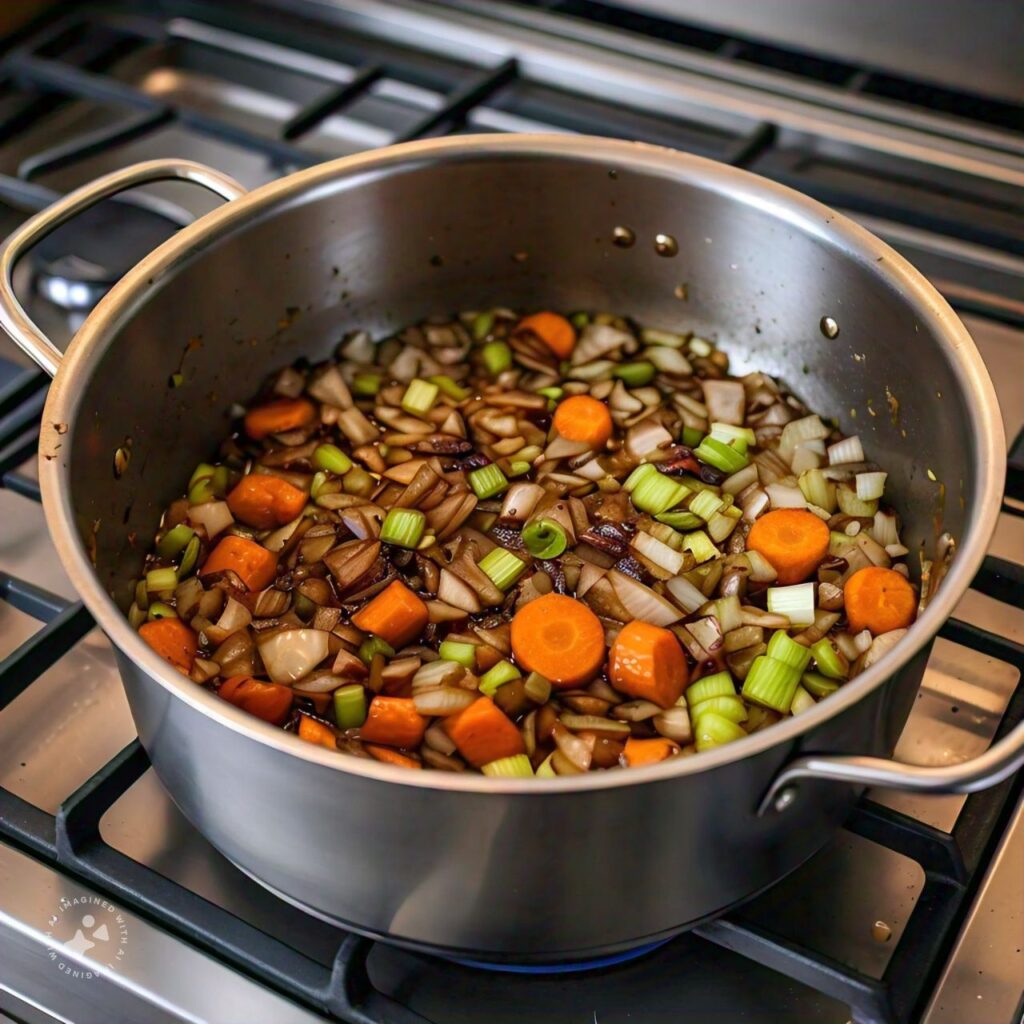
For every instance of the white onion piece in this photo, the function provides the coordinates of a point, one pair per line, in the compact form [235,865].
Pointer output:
[808,428]
[643,603]
[872,550]
[870,485]
[707,632]
[884,529]
[234,617]
[863,640]
[520,501]
[847,450]
[687,596]
[437,739]
[212,516]
[326,683]
[456,592]
[591,470]
[761,570]
[740,480]
[785,496]
[669,360]
[643,437]
[589,575]
[658,552]
[754,504]
[597,340]
[563,448]
[437,673]
[655,336]
[727,611]
[725,400]
[881,645]
[636,710]
[573,747]
[329,386]
[804,458]
[443,700]
[674,724]
[290,654]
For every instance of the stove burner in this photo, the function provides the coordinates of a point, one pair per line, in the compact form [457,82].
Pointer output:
[77,264]
[572,968]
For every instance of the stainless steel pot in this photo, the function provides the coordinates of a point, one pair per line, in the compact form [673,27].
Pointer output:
[462,863]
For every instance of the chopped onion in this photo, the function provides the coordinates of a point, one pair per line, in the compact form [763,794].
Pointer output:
[707,632]
[809,428]
[329,386]
[589,575]
[594,723]
[805,457]
[656,336]
[324,682]
[643,603]
[234,617]
[456,592]
[437,739]
[686,595]
[658,552]
[644,437]
[870,485]
[847,450]
[761,570]
[674,723]
[785,496]
[563,448]
[727,611]
[577,750]
[636,710]
[212,516]
[437,673]
[444,700]
[290,654]
[754,502]
[863,640]
[872,550]
[741,479]
[520,501]
[725,400]
[669,360]
[884,529]
[597,340]
[881,645]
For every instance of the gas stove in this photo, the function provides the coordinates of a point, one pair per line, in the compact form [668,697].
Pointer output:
[112,907]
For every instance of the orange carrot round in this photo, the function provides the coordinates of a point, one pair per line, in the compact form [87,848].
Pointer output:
[393,721]
[266,501]
[278,416]
[793,540]
[270,701]
[647,662]
[172,640]
[316,732]
[651,751]
[555,331]
[483,734]
[559,637]
[253,563]
[584,419]
[396,615]
[879,600]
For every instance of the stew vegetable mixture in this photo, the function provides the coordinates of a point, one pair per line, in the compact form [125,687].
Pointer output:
[527,546]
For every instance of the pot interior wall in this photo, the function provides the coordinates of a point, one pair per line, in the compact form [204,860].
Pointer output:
[378,249]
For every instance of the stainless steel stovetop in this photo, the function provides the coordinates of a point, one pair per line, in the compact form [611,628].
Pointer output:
[257,92]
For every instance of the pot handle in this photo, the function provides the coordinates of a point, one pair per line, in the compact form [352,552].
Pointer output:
[999,762]
[13,318]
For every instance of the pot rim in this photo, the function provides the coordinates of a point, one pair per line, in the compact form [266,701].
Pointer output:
[799,211]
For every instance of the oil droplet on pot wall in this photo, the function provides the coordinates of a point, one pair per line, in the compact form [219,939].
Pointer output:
[622,236]
[829,327]
[665,245]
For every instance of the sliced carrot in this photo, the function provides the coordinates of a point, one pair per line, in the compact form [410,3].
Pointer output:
[393,721]
[278,416]
[270,701]
[172,640]
[639,752]
[559,637]
[647,662]
[389,756]
[879,600]
[793,540]
[266,501]
[483,734]
[313,731]
[396,615]
[555,331]
[253,563]
[584,419]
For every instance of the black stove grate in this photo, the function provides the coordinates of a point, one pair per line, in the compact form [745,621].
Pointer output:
[66,60]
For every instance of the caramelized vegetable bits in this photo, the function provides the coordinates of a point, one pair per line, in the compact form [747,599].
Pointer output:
[526,546]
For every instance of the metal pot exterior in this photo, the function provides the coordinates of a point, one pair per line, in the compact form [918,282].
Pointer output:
[493,867]
[499,875]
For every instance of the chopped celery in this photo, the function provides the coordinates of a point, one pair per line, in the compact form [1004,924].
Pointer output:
[782,647]
[712,730]
[538,689]
[729,433]
[175,540]
[463,654]
[372,646]
[635,375]
[403,527]
[515,767]
[680,520]
[851,505]
[705,504]
[366,385]
[802,701]
[189,558]
[488,481]
[544,769]
[700,545]
[771,683]
[330,458]
[728,706]
[718,685]
[419,397]
[838,542]
[159,610]
[350,706]
[656,493]
[358,481]
[544,538]
[158,580]
[818,685]
[497,357]
[482,324]
[500,674]
[818,489]
[502,567]
[828,660]
[554,394]
[518,467]
[720,455]
[692,437]
[449,387]
[795,602]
